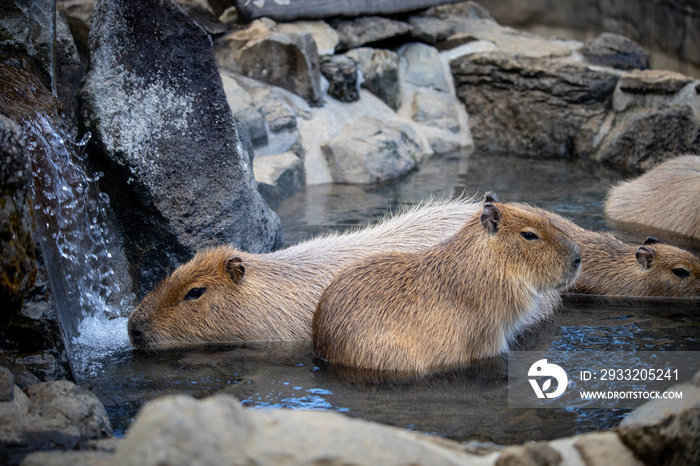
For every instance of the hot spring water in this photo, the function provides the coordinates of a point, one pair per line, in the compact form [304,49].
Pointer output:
[92,294]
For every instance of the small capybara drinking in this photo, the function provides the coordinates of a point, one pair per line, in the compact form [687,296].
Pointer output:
[224,294]
[646,199]
[461,300]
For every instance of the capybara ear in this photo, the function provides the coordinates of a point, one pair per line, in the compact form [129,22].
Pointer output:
[652,240]
[234,267]
[490,197]
[645,256]
[490,218]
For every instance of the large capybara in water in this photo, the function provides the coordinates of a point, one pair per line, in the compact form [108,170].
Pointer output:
[463,299]
[645,200]
[224,294]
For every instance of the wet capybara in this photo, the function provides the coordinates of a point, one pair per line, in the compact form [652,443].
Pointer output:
[224,294]
[463,299]
[645,200]
[611,267]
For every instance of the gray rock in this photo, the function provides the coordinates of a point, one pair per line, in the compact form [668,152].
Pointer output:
[7,385]
[533,106]
[531,454]
[69,69]
[642,137]
[217,430]
[312,9]
[180,175]
[27,28]
[604,448]
[52,416]
[615,51]
[203,14]
[436,109]
[371,151]
[253,123]
[666,431]
[341,73]
[283,59]
[424,66]
[77,13]
[380,73]
[324,35]
[654,82]
[353,33]
[68,458]
[279,176]
[17,251]
[435,25]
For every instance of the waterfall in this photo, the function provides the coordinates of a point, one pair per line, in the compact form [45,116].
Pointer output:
[73,228]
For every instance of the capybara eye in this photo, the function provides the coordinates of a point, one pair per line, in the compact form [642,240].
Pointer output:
[528,235]
[195,293]
[680,272]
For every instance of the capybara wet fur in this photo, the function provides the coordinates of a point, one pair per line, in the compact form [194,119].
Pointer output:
[646,200]
[461,300]
[613,268]
[224,294]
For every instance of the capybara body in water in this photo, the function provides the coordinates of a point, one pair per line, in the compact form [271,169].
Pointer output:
[463,299]
[224,294]
[645,200]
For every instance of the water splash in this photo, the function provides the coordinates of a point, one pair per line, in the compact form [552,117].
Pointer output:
[72,223]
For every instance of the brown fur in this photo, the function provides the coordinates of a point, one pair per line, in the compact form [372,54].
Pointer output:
[273,296]
[460,300]
[646,200]
[611,267]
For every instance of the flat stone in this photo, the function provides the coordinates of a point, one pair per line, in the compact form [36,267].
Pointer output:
[654,81]
[604,448]
[353,33]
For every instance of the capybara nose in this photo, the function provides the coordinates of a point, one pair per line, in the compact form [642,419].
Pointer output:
[135,334]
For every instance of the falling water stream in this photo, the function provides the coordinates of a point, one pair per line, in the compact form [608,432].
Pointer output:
[92,295]
[77,244]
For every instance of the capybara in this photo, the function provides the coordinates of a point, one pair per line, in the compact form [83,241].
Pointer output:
[645,200]
[463,299]
[224,294]
[611,267]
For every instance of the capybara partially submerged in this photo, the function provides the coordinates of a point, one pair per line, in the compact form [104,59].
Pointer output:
[224,294]
[645,200]
[611,267]
[461,300]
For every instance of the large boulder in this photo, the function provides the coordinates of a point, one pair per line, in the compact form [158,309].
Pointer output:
[655,115]
[180,174]
[281,57]
[533,106]
[180,431]
[615,51]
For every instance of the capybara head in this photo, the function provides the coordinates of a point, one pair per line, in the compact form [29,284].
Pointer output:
[535,249]
[665,270]
[194,303]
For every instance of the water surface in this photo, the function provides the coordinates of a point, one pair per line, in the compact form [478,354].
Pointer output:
[463,404]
